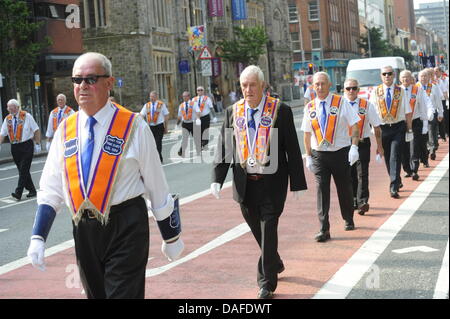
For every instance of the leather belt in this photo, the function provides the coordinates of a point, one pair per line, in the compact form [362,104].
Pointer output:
[88,213]
[255,177]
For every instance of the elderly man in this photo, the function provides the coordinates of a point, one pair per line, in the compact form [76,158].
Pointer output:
[57,115]
[103,159]
[156,114]
[419,104]
[22,130]
[258,140]
[442,83]
[396,124]
[360,170]
[329,150]
[204,108]
[186,116]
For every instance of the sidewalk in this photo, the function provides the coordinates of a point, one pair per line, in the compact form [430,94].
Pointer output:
[5,152]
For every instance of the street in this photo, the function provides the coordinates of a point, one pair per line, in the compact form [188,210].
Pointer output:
[399,249]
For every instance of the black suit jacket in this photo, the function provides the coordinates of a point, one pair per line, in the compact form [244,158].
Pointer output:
[290,163]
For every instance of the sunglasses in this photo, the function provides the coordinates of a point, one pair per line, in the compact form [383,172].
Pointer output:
[351,88]
[387,73]
[89,80]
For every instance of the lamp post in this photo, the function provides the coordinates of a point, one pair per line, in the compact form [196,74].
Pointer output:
[368,29]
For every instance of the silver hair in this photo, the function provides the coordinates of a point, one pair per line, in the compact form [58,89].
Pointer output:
[317,74]
[104,61]
[405,73]
[60,94]
[424,71]
[13,102]
[252,69]
[387,67]
[352,80]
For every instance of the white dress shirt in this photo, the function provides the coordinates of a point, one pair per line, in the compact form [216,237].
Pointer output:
[50,131]
[436,101]
[346,117]
[371,116]
[403,109]
[252,143]
[208,105]
[164,111]
[443,85]
[422,102]
[29,127]
[140,171]
[180,114]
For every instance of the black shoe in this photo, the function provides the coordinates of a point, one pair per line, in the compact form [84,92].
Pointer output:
[322,236]
[395,195]
[408,175]
[281,269]
[31,194]
[415,177]
[265,294]
[433,156]
[180,154]
[363,209]
[349,226]
[400,186]
[18,197]
[426,165]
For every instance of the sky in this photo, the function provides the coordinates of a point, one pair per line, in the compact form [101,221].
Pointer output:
[417,2]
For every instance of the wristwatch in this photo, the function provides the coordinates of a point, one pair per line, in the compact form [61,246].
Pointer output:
[410,131]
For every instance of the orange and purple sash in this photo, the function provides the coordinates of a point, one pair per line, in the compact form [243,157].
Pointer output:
[331,124]
[17,136]
[153,119]
[55,116]
[391,114]
[362,112]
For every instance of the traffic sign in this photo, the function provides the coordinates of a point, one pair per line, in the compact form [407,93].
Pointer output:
[205,54]
[207,68]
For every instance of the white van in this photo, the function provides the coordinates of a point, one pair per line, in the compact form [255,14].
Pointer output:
[367,72]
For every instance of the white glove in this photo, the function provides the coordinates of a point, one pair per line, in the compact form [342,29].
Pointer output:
[48,145]
[353,155]
[173,250]
[36,253]
[425,127]
[214,120]
[215,190]
[409,136]
[297,194]
[309,163]
[198,122]
[37,148]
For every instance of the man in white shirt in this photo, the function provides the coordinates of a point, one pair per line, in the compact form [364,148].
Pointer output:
[57,115]
[102,161]
[186,116]
[329,151]
[204,108]
[156,114]
[419,104]
[396,124]
[22,130]
[369,118]
[442,82]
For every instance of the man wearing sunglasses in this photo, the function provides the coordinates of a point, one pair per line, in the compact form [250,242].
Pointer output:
[103,159]
[204,108]
[396,124]
[360,170]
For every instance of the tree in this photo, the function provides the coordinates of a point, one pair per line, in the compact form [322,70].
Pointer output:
[396,51]
[248,45]
[379,47]
[18,51]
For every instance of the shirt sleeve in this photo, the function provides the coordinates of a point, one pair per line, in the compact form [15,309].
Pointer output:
[405,103]
[144,111]
[306,123]
[165,110]
[374,119]
[350,114]
[50,132]
[4,131]
[33,125]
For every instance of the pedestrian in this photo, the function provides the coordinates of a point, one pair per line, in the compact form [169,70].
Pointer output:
[396,125]
[253,128]
[436,113]
[218,98]
[329,151]
[419,105]
[156,114]
[204,108]
[310,94]
[360,170]
[57,115]
[442,83]
[25,138]
[103,159]
[186,116]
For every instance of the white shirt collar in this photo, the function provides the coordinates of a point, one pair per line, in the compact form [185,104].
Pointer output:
[260,105]
[102,116]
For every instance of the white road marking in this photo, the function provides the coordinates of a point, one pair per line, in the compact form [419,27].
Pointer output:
[343,281]
[3,230]
[15,167]
[441,289]
[424,249]
[17,176]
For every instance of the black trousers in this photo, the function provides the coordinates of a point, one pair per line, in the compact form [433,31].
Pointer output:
[158,134]
[186,130]
[393,138]
[327,164]
[258,212]
[112,258]
[206,121]
[433,131]
[443,125]
[22,154]
[417,146]
[360,173]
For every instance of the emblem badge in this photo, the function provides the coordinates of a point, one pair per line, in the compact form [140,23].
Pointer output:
[113,145]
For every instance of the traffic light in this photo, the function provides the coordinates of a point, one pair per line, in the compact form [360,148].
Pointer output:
[310,68]
[442,59]
[420,53]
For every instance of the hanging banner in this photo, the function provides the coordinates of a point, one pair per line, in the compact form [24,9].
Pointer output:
[183,66]
[239,9]
[196,37]
[215,8]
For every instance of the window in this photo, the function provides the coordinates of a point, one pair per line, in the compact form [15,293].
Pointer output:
[50,10]
[293,13]
[161,14]
[93,13]
[315,39]
[313,10]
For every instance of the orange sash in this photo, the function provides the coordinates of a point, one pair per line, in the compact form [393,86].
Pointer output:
[362,112]
[203,102]
[392,114]
[331,124]
[413,100]
[55,116]
[187,116]
[157,111]
[428,88]
[312,93]
[16,138]
[263,134]
[97,196]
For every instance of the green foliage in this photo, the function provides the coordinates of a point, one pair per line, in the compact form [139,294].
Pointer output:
[379,47]
[248,45]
